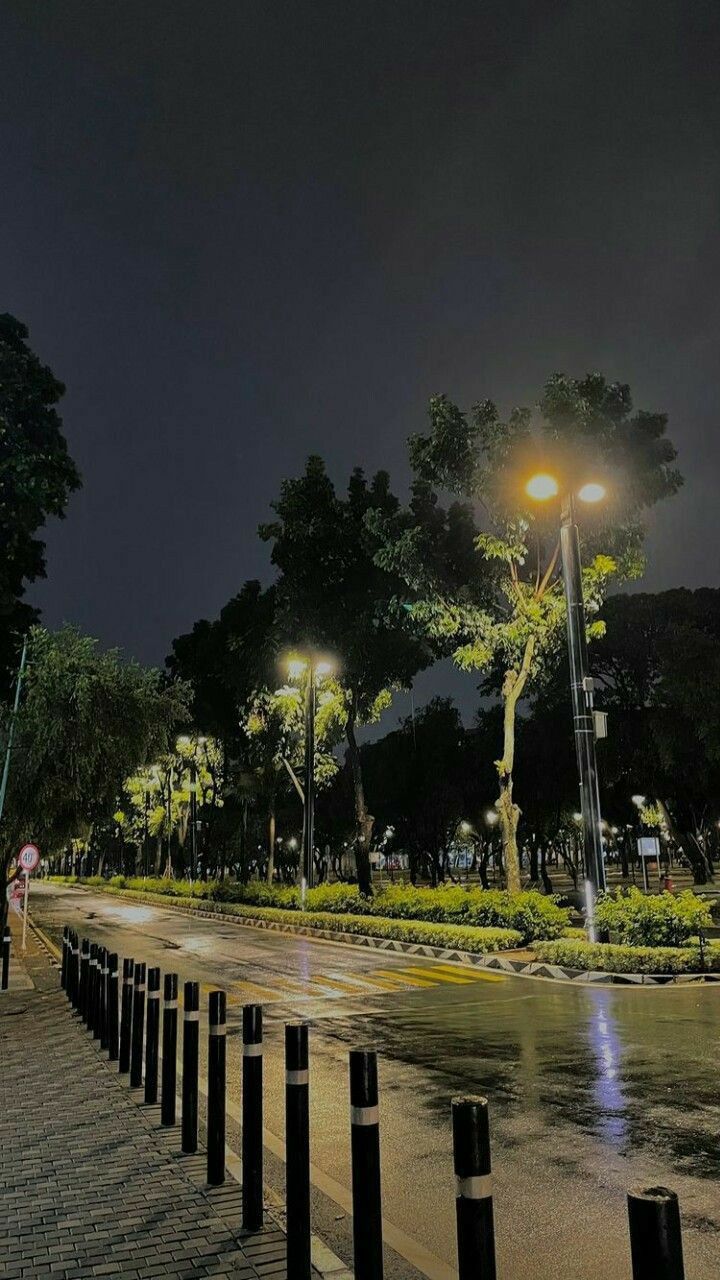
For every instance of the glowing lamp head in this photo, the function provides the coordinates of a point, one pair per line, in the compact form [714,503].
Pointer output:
[296,667]
[592,492]
[542,487]
[324,668]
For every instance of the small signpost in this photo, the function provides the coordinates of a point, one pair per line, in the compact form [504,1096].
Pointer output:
[28,859]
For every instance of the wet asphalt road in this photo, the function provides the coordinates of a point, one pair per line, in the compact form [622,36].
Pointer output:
[592,1090]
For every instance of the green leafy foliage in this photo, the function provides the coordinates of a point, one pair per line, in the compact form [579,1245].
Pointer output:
[478,941]
[87,721]
[661,920]
[530,915]
[37,476]
[609,958]
[506,616]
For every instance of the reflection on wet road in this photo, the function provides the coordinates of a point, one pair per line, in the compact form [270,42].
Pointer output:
[592,1090]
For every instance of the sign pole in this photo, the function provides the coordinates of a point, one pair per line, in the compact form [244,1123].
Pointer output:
[25,900]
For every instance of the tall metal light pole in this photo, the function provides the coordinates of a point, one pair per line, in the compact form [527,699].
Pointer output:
[542,487]
[581,688]
[193,820]
[315,666]
[307,874]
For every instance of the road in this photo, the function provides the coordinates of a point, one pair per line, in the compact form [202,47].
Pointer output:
[592,1090]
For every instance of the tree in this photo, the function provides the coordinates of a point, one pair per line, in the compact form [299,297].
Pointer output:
[37,476]
[87,721]
[508,622]
[659,668]
[333,595]
[417,773]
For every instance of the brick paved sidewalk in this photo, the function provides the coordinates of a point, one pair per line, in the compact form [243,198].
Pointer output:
[89,1183]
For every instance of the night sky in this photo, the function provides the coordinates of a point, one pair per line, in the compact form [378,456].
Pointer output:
[244,232]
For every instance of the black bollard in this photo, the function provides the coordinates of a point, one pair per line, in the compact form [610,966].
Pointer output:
[152,1036]
[126,1016]
[4,982]
[655,1234]
[252,1118]
[216,1090]
[92,976]
[99,996]
[70,966]
[104,978]
[74,974]
[191,1032]
[473,1189]
[169,1049]
[112,1007]
[365,1150]
[64,964]
[84,978]
[297,1146]
[138,1026]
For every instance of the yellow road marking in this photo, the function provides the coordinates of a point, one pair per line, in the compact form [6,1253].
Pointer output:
[438,975]
[350,988]
[396,984]
[473,975]
[399,976]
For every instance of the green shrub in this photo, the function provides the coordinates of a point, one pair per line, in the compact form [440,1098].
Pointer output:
[257,893]
[457,937]
[532,915]
[609,958]
[658,920]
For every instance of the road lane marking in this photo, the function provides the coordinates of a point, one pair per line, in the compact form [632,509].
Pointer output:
[472,975]
[437,975]
[399,976]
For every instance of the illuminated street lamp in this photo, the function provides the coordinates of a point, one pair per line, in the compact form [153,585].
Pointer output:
[316,667]
[542,487]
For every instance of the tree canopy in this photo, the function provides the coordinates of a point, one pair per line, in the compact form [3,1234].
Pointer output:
[37,476]
[333,595]
[87,721]
[506,617]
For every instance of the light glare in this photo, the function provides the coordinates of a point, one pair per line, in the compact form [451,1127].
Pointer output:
[592,492]
[542,486]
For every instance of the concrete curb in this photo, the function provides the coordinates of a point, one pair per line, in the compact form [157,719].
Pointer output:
[541,971]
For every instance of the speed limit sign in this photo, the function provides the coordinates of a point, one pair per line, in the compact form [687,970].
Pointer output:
[28,857]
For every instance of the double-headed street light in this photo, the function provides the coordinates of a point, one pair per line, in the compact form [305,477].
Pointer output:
[543,487]
[316,667]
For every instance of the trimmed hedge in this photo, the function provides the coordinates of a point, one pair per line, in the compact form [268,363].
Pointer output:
[530,914]
[658,920]
[609,958]
[452,937]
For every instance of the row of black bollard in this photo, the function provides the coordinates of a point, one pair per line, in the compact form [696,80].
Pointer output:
[89,975]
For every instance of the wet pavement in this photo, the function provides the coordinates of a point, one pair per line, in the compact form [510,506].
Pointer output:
[592,1090]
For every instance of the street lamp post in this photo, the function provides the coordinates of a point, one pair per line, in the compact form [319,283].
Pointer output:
[193,820]
[581,688]
[309,811]
[315,666]
[542,487]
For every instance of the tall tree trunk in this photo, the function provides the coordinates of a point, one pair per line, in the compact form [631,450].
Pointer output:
[364,821]
[512,689]
[271,841]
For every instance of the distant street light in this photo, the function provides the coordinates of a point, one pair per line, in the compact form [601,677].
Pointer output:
[542,487]
[316,667]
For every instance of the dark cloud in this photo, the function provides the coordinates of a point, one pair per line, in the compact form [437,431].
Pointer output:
[242,233]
